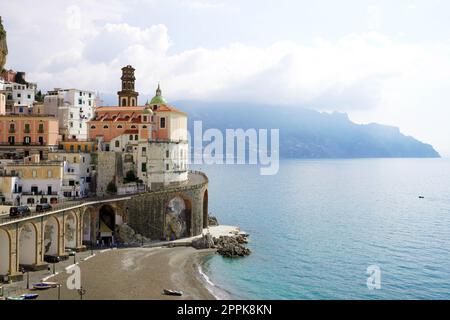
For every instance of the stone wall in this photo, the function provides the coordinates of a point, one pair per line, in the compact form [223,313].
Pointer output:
[146,213]
[108,163]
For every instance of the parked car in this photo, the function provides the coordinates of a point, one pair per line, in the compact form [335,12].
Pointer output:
[70,252]
[51,259]
[43,207]
[19,211]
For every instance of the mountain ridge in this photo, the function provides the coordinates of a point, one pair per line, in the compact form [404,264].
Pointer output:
[306,133]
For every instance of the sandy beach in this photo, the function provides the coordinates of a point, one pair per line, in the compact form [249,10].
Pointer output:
[136,274]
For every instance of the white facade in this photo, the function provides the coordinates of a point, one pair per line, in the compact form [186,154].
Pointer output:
[162,163]
[20,96]
[77,173]
[74,108]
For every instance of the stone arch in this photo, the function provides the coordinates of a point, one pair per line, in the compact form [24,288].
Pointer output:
[205,209]
[28,244]
[178,217]
[51,236]
[70,230]
[5,252]
[87,226]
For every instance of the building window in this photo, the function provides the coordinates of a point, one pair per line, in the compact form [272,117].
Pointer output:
[105,127]
[92,127]
[131,137]
[49,173]
[136,137]
[124,102]
[167,167]
[119,126]
[162,123]
[167,153]
[133,127]
[29,96]
[144,127]
[80,101]
[71,124]
[117,144]
[81,126]
[34,173]
[12,128]
[72,149]
[71,115]
[144,149]
[144,167]
[27,128]
[26,140]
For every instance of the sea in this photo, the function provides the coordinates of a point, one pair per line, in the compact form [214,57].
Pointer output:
[334,229]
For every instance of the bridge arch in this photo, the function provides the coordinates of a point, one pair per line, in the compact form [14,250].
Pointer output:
[51,236]
[87,226]
[28,244]
[5,252]
[70,231]
[205,209]
[178,217]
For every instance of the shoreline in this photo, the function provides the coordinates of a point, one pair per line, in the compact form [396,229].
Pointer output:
[138,274]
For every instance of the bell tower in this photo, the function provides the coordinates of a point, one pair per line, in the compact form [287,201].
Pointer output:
[128,97]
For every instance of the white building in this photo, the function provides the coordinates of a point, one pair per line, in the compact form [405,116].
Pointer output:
[77,173]
[74,108]
[19,97]
[31,181]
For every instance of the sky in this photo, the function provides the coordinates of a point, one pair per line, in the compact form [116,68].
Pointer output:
[378,61]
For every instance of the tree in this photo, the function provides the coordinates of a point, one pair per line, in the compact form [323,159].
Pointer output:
[111,188]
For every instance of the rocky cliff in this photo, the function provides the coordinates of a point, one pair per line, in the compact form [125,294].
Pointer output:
[3,46]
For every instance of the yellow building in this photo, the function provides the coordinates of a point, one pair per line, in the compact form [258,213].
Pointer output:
[36,181]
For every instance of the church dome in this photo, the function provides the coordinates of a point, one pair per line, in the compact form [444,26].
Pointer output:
[158,99]
[148,111]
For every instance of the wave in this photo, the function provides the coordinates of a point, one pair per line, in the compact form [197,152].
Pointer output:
[218,292]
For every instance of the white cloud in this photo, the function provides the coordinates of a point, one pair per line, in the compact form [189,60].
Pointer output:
[372,76]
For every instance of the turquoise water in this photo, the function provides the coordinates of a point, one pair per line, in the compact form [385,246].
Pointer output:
[317,225]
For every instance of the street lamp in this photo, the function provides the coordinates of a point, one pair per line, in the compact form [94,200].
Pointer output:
[74,258]
[28,277]
[81,292]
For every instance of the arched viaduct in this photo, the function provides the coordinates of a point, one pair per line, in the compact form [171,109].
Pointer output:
[174,212]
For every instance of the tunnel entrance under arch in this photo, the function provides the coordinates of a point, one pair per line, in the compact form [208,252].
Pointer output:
[27,245]
[107,224]
[5,251]
[205,209]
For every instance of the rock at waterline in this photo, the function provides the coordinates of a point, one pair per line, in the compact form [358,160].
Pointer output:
[212,221]
[232,246]
[205,242]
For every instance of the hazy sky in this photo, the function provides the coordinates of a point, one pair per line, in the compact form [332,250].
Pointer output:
[379,61]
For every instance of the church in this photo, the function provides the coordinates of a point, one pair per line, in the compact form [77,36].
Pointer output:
[147,144]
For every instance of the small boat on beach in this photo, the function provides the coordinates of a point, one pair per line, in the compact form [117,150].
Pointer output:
[51,284]
[30,296]
[42,286]
[15,298]
[168,292]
